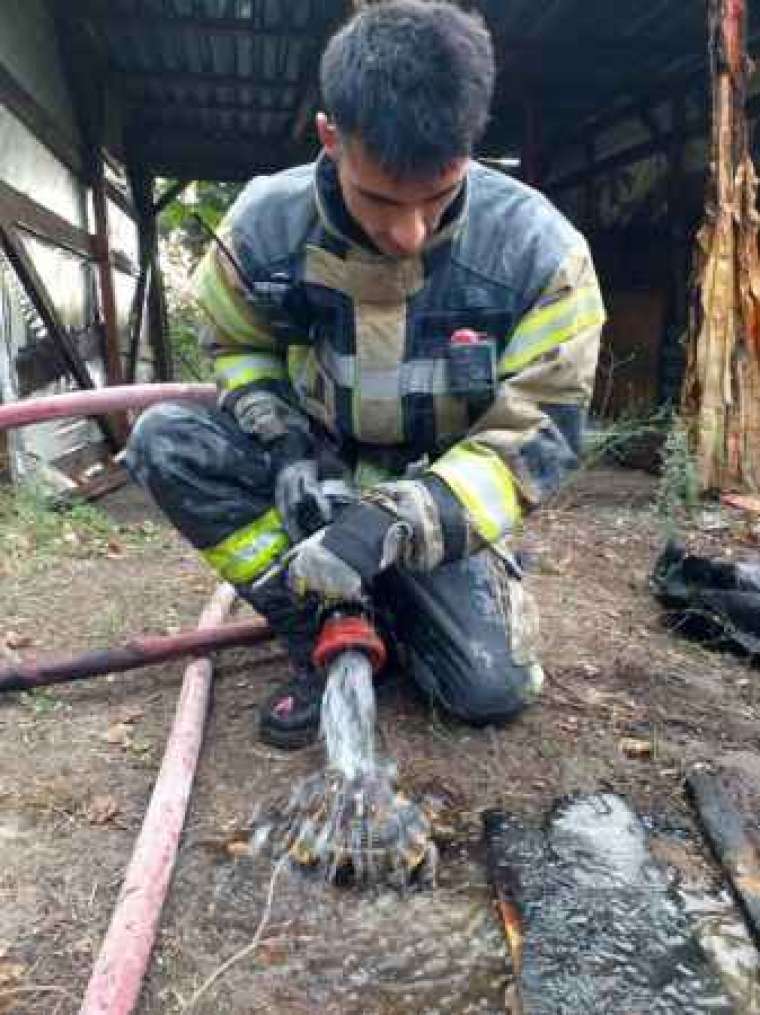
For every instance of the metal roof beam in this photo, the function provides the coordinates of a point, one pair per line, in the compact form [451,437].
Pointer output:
[202,25]
[149,110]
[196,78]
[230,156]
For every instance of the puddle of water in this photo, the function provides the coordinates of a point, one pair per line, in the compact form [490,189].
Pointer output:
[375,952]
[605,928]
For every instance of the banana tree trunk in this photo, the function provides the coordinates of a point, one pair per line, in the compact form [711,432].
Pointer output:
[720,400]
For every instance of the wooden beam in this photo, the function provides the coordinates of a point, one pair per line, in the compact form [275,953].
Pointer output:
[681,82]
[114,371]
[136,318]
[172,191]
[44,126]
[120,199]
[221,159]
[24,212]
[625,157]
[624,108]
[38,296]
[206,165]
[158,333]
[21,210]
[123,263]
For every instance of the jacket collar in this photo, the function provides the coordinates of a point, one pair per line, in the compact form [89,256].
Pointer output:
[337,220]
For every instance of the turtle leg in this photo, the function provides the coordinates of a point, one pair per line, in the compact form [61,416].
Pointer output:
[428,871]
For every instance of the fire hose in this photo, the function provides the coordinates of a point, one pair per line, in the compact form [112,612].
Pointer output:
[117,976]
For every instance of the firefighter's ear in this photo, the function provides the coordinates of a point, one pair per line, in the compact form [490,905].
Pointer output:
[328,136]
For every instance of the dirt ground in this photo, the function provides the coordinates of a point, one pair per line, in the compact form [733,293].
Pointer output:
[628,707]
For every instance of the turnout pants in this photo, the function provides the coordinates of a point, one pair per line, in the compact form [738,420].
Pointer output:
[467,630]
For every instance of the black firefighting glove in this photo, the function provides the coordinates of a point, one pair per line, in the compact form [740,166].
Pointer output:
[286,435]
[410,523]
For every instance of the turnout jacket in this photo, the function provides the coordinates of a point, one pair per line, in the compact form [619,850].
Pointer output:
[298,302]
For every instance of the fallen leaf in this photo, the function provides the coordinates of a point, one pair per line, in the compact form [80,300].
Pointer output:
[744,502]
[271,954]
[118,733]
[128,714]
[101,809]
[11,972]
[636,747]
[237,847]
[14,640]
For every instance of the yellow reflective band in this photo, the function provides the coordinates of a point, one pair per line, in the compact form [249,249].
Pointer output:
[484,485]
[244,554]
[226,306]
[296,358]
[237,369]
[545,328]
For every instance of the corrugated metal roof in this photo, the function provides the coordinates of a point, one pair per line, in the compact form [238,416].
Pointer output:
[223,88]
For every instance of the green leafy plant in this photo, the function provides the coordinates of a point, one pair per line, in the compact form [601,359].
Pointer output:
[678,490]
[617,440]
[183,241]
[36,526]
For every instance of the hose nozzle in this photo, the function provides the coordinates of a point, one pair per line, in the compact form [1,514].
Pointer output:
[349,633]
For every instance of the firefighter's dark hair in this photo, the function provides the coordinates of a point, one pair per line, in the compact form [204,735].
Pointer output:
[413,80]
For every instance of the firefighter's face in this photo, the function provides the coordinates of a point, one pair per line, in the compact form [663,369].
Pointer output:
[399,216]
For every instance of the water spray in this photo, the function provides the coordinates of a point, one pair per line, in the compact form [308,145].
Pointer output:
[350,820]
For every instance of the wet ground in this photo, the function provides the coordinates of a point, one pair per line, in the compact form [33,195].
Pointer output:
[627,708]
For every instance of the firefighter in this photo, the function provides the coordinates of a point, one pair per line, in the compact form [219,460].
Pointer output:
[404,343]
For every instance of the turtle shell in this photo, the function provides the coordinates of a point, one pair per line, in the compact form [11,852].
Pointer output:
[362,827]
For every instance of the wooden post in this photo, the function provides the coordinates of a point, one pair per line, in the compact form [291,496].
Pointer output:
[114,369]
[142,191]
[136,318]
[720,398]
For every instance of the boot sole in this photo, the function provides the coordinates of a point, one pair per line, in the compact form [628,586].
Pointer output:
[288,740]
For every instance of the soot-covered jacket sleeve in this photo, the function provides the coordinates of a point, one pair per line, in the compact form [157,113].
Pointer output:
[238,333]
[523,447]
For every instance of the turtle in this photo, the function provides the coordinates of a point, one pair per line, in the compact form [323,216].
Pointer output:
[361,829]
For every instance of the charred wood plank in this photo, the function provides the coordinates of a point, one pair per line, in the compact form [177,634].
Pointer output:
[504,881]
[736,847]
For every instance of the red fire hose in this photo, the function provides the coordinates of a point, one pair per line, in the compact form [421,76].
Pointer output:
[100,401]
[114,986]
[144,650]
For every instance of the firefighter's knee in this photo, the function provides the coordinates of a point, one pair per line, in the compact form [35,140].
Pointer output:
[478,686]
[494,690]
[156,437]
